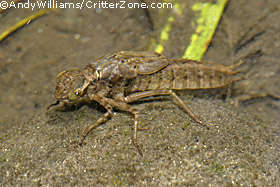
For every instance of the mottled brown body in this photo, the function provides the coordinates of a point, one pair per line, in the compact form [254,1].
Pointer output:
[185,74]
[120,78]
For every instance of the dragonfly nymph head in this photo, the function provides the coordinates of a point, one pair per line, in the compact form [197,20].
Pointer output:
[70,85]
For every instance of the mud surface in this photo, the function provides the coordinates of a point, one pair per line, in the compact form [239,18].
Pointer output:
[241,147]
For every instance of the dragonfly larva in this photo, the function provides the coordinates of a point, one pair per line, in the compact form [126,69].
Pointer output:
[118,79]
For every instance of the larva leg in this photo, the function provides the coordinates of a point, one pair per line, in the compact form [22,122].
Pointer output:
[139,95]
[126,107]
[101,120]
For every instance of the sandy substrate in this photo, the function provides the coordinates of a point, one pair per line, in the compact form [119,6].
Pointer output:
[239,149]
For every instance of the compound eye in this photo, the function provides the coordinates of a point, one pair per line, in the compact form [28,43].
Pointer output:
[78,92]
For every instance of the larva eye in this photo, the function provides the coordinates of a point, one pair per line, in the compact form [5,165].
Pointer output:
[76,94]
